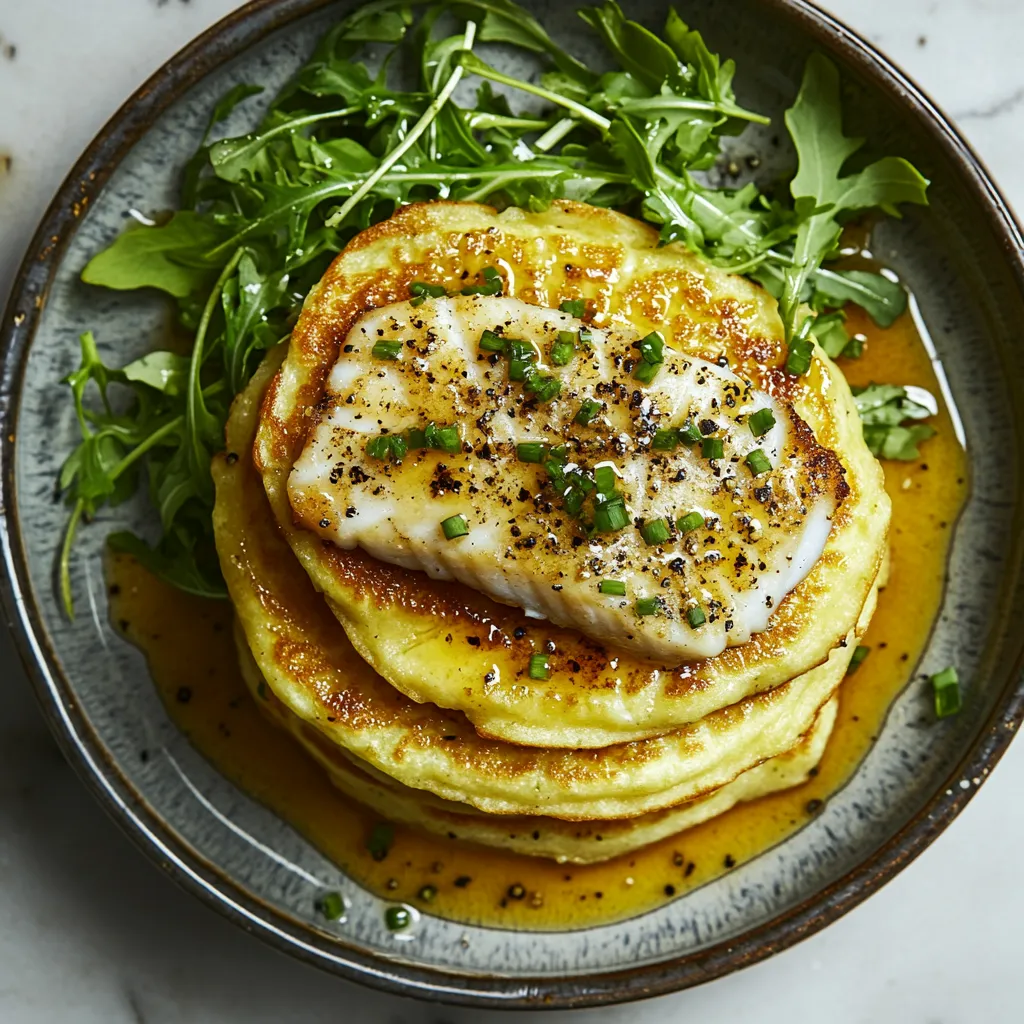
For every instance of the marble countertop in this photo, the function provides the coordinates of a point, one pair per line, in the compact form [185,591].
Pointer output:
[90,931]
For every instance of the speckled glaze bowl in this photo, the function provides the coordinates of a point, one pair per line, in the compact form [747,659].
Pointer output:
[962,258]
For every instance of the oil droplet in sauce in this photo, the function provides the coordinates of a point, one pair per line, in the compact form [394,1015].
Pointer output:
[192,659]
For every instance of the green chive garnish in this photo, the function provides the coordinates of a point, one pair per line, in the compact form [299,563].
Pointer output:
[859,654]
[689,433]
[445,439]
[331,905]
[538,666]
[655,532]
[379,447]
[758,462]
[530,451]
[712,448]
[491,342]
[648,606]
[611,516]
[575,307]
[614,587]
[645,372]
[386,349]
[604,477]
[798,362]
[665,440]
[382,835]
[455,526]
[948,700]
[761,422]
[423,291]
[397,918]
[691,521]
[588,410]
[696,617]
[652,348]
[416,438]
[491,286]
[586,336]
[564,349]
[544,387]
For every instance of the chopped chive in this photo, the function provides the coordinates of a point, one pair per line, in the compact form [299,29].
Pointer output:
[575,307]
[560,454]
[604,477]
[538,666]
[948,700]
[564,349]
[712,448]
[382,835]
[491,342]
[645,372]
[492,284]
[445,439]
[386,349]
[588,410]
[417,439]
[530,451]
[860,652]
[379,447]
[611,516]
[655,532]
[397,918]
[544,387]
[331,905]
[586,336]
[689,433]
[696,617]
[690,522]
[758,462]
[455,526]
[421,291]
[614,587]
[648,606]
[761,422]
[519,369]
[572,500]
[798,362]
[652,348]
[399,447]
[854,348]
[665,440]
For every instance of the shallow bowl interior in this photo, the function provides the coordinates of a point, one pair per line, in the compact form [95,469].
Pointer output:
[961,258]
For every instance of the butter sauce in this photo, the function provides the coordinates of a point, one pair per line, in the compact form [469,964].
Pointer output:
[189,647]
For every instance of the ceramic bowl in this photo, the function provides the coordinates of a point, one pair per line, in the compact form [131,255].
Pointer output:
[961,257]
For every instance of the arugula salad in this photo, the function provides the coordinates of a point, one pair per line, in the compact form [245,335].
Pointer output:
[341,147]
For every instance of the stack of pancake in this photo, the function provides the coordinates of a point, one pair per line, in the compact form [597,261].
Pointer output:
[437,601]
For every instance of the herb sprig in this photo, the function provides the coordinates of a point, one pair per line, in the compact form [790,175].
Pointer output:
[342,147]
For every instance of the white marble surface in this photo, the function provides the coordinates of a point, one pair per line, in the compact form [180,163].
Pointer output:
[90,931]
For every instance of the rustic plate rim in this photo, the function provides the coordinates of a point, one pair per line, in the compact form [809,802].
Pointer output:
[225,40]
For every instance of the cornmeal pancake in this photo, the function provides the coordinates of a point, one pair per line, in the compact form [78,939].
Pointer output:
[455,644]
[566,842]
[310,665]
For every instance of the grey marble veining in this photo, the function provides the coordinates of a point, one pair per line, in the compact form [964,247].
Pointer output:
[79,900]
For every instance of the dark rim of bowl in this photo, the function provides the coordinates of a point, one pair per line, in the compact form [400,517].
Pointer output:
[222,42]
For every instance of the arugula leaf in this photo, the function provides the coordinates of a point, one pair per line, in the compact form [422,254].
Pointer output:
[884,300]
[885,410]
[164,371]
[171,257]
[819,191]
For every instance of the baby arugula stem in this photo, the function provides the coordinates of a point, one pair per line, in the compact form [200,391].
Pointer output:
[429,115]
[169,429]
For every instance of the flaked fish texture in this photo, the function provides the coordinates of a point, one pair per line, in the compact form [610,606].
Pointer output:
[707,542]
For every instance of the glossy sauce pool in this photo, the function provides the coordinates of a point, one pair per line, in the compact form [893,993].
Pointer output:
[188,643]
